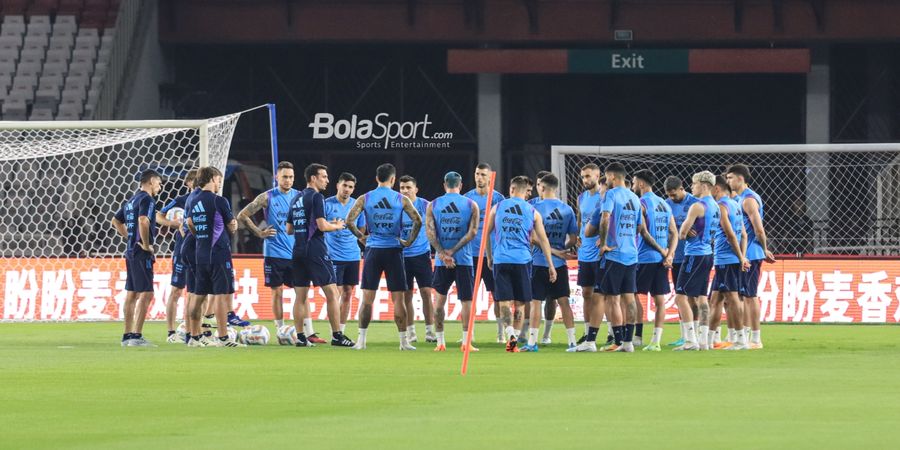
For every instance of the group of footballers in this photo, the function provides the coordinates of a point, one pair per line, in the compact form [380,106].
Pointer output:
[313,240]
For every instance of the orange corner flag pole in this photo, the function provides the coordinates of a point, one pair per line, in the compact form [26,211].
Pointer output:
[481,248]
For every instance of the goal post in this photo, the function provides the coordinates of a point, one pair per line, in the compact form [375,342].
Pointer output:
[831,199]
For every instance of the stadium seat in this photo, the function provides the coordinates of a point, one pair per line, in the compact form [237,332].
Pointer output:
[36,41]
[28,67]
[68,111]
[59,55]
[55,68]
[32,55]
[14,109]
[10,41]
[41,114]
[84,54]
[65,24]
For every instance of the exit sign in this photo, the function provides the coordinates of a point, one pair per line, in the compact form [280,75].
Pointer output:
[628,61]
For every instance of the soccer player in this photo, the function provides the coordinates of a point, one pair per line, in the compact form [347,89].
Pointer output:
[212,223]
[512,222]
[656,250]
[135,222]
[532,201]
[178,266]
[738,176]
[310,262]
[383,208]
[730,262]
[620,221]
[679,202]
[278,244]
[699,228]
[417,261]
[562,233]
[189,257]
[343,248]
[479,196]
[451,221]
[588,252]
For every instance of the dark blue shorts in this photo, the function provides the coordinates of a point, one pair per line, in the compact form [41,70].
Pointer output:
[653,278]
[278,272]
[463,276]
[178,272]
[727,278]
[750,279]
[487,274]
[346,273]
[315,270]
[587,273]
[384,260]
[139,276]
[541,287]
[693,280]
[676,269]
[418,268]
[512,282]
[214,279]
[188,256]
[618,279]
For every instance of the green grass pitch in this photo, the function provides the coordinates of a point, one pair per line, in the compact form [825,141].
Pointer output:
[72,386]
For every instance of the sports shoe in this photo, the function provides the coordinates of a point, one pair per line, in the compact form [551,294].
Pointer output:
[529,348]
[342,341]
[430,338]
[173,339]
[406,346]
[571,346]
[610,340]
[755,346]
[609,347]
[360,345]
[582,339]
[127,342]
[677,343]
[207,341]
[687,347]
[473,350]
[638,341]
[195,343]
[236,321]
[652,348]
[511,345]
[546,341]
[315,339]
[413,337]
[229,343]
[626,348]
[722,345]
[738,346]
[500,339]
[440,348]
[586,346]
[140,342]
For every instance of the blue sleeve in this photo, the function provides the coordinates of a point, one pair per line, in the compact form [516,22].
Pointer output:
[595,217]
[120,214]
[145,206]
[170,205]
[318,206]
[224,209]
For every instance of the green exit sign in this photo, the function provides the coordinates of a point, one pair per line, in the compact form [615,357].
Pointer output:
[628,61]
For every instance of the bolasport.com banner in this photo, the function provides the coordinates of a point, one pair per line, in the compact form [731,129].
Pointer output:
[85,289]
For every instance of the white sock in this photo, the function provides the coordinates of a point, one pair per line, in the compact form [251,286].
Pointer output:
[548,325]
[657,336]
[570,335]
[740,337]
[308,327]
[440,338]
[746,331]
[429,329]
[628,346]
[689,332]
[532,335]
[511,332]
[729,336]
[717,336]
[527,324]
[403,338]
[704,335]
[520,335]
[696,325]
[279,323]
[609,331]
[586,326]
[343,327]
[411,329]
[755,336]
[362,335]
[499,328]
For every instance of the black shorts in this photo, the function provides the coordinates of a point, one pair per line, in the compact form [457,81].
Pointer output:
[618,279]
[750,279]
[587,273]
[653,278]
[676,268]
[139,269]
[463,276]
[178,272]
[278,272]
[693,280]
[541,287]
[315,270]
[418,268]
[512,282]
[346,273]
[214,279]
[487,273]
[384,260]
[727,278]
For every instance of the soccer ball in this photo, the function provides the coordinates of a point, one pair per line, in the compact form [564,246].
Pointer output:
[287,335]
[255,335]
[175,214]
[181,332]
[232,334]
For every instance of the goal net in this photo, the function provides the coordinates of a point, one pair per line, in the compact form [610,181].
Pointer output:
[819,199]
[60,185]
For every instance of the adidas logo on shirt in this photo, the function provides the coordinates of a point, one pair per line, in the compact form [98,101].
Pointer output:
[629,207]
[451,208]
[555,215]
[198,208]
[660,208]
[515,210]
[383,204]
